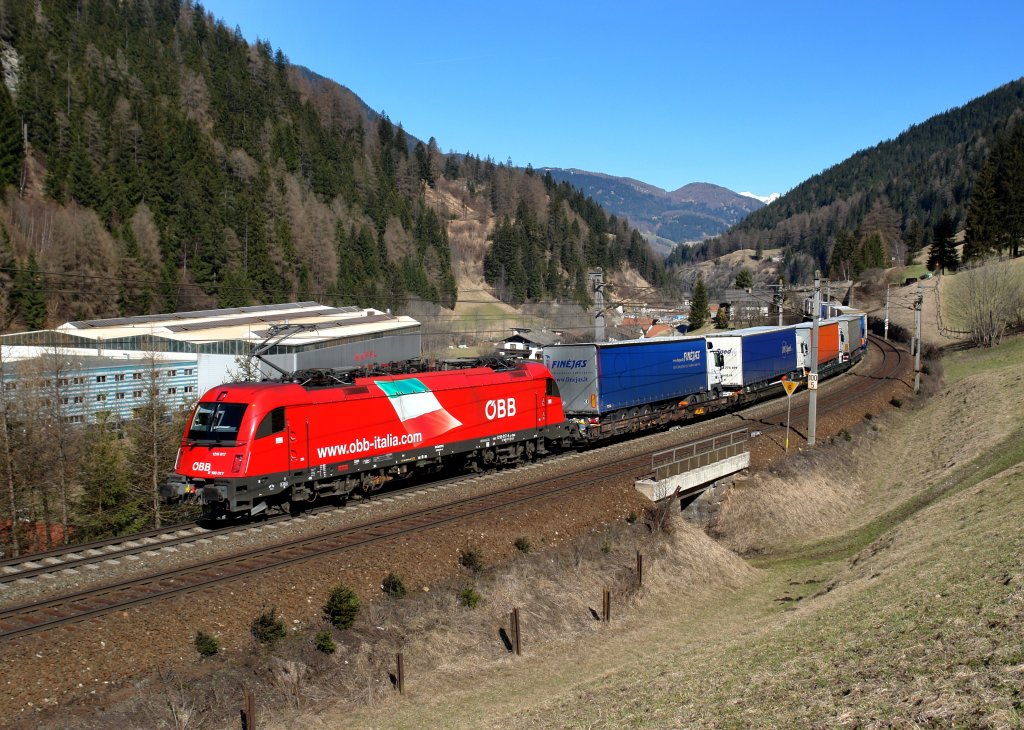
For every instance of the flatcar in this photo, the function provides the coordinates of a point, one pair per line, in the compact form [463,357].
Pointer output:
[253,446]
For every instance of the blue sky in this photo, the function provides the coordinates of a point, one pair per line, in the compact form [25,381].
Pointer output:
[752,96]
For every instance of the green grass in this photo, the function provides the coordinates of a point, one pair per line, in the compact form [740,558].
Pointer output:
[962,364]
[907,272]
[842,547]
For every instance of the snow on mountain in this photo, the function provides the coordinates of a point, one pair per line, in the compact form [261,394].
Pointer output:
[763,198]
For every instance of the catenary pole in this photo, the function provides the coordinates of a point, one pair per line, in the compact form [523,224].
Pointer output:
[885,334]
[597,282]
[918,304]
[812,379]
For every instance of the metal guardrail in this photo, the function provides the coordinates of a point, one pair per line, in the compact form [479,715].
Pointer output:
[672,462]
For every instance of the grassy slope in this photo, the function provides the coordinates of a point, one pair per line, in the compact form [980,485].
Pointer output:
[910,615]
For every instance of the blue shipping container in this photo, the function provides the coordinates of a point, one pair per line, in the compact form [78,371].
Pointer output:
[755,355]
[598,378]
[768,354]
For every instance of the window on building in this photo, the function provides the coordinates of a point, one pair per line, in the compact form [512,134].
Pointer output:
[172,391]
[10,386]
[189,388]
[79,381]
[136,376]
[79,399]
[119,376]
[64,381]
[120,396]
[189,371]
[101,378]
[136,394]
[65,400]
[101,397]
[172,373]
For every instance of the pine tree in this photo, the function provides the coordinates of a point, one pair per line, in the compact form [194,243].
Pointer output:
[744,279]
[943,251]
[699,312]
[28,297]
[983,227]
[106,506]
[11,149]
[913,239]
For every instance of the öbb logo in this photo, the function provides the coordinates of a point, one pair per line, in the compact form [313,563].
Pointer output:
[500,408]
[202,466]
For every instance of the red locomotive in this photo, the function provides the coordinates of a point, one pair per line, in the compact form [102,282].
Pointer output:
[251,446]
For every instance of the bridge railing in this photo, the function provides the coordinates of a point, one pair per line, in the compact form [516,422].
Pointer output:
[681,459]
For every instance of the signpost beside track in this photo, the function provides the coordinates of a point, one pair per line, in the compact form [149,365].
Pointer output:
[790,386]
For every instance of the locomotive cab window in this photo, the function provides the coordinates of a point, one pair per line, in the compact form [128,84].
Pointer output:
[552,389]
[216,422]
[272,423]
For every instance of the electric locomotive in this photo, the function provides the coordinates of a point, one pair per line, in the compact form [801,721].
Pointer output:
[254,446]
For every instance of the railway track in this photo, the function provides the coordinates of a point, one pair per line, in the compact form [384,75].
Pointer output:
[71,560]
[38,616]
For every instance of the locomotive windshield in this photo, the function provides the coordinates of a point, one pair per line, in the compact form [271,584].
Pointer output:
[216,422]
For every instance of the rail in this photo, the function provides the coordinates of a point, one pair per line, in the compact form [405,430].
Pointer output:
[672,462]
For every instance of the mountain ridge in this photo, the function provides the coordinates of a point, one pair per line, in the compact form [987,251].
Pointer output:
[666,218]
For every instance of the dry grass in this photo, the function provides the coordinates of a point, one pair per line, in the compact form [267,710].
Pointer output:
[889,593]
[907,614]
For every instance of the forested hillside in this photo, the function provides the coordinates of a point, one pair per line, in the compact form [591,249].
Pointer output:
[882,204]
[170,164]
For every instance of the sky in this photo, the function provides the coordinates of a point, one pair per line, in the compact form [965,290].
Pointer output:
[751,96]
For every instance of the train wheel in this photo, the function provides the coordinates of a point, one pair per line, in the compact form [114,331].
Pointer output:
[531,450]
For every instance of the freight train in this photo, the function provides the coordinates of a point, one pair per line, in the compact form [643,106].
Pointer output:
[251,447]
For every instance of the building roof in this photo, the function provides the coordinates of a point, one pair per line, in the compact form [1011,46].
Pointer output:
[537,337]
[245,323]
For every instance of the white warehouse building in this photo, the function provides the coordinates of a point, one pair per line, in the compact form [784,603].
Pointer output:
[97,365]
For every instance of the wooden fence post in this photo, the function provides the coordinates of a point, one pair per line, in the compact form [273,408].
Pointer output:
[607,605]
[514,624]
[639,568]
[400,673]
[248,711]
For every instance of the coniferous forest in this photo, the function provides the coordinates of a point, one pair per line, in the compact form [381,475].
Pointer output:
[960,171]
[158,161]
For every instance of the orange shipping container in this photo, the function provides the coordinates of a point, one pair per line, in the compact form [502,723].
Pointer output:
[828,342]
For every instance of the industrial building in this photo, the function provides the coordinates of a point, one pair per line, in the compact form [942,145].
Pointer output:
[109,364]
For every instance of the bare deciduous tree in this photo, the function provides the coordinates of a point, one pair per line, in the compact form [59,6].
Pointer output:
[987,299]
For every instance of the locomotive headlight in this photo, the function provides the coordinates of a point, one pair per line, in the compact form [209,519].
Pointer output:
[236,465]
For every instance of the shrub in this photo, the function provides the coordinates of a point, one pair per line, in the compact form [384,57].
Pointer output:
[470,558]
[206,645]
[323,641]
[468,597]
[631,518]
[896,402]
[522,545]
[393,586]
[342,607]
[606,547]
[268,627]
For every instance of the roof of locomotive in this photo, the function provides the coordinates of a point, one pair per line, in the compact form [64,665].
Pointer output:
[272,393]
